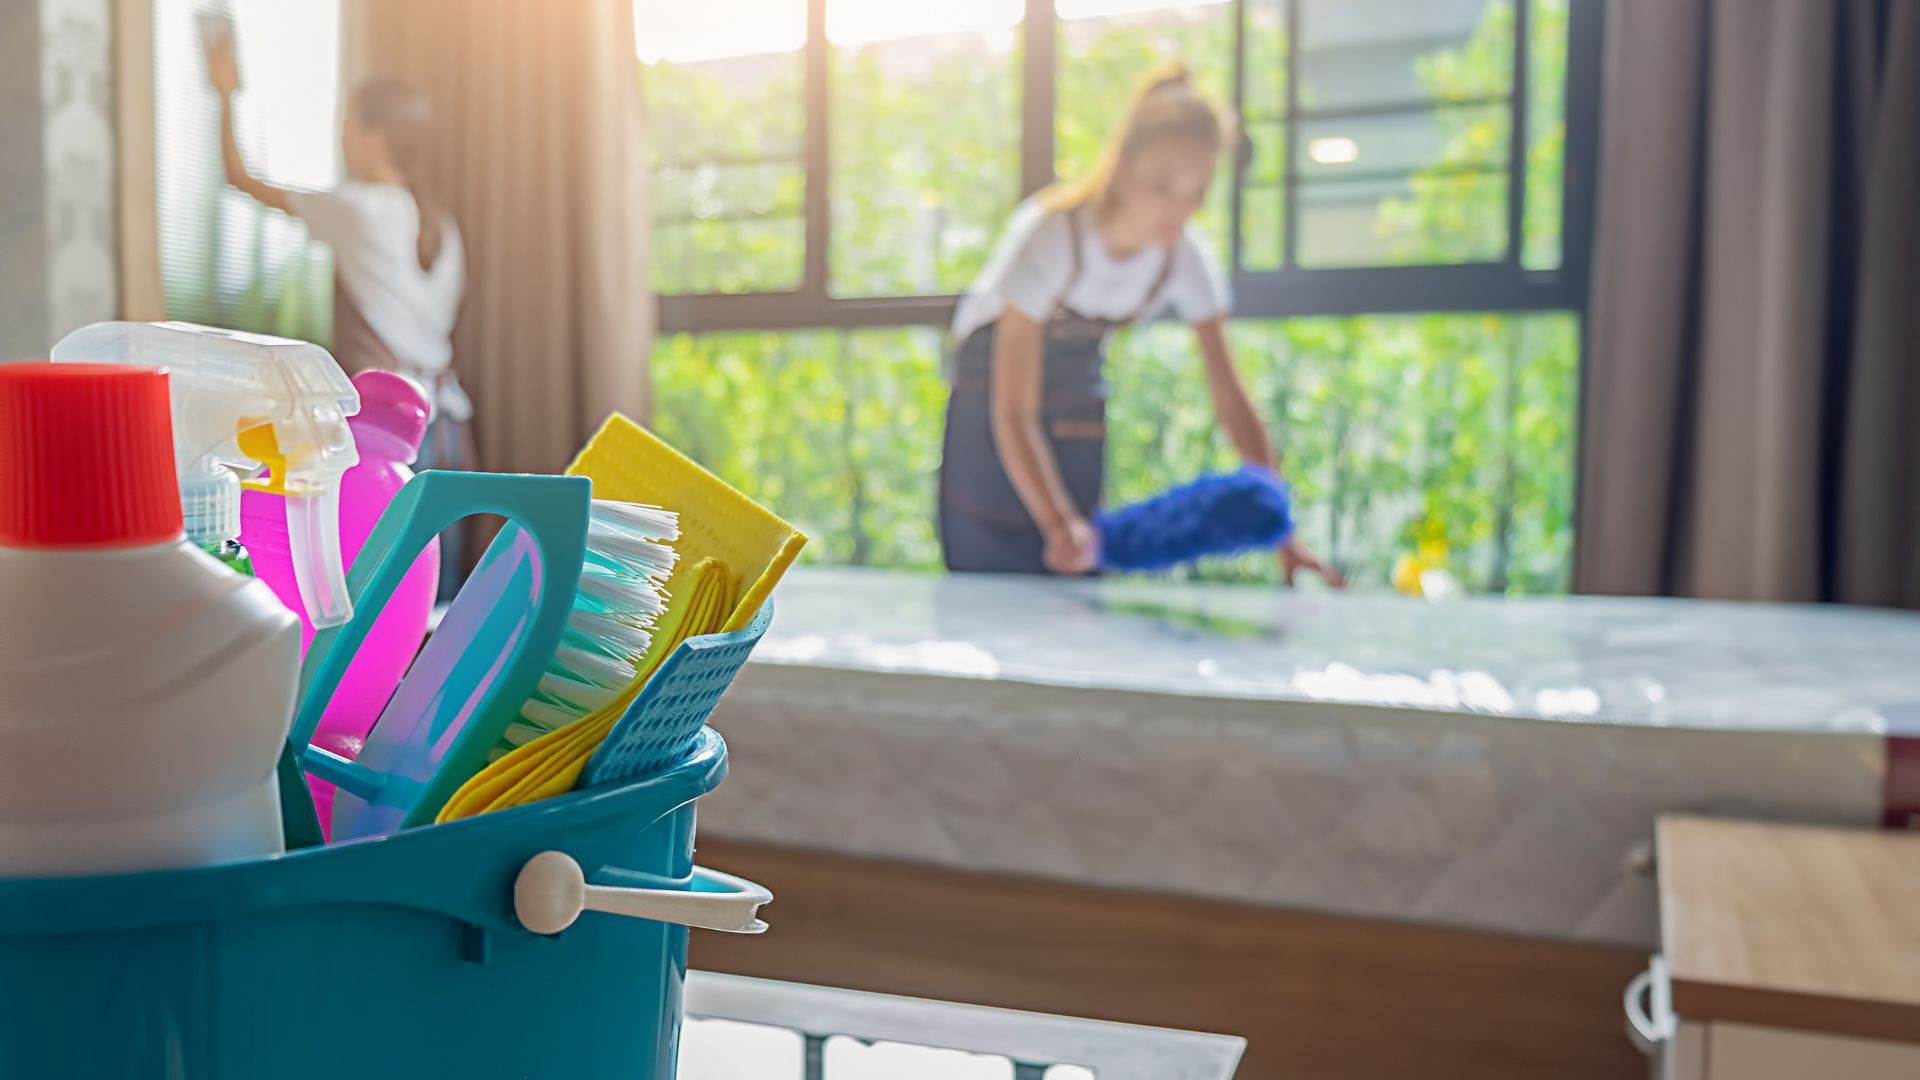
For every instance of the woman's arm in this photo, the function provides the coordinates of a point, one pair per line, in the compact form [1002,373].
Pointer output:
[1230,402]
[1023,448]
[1249,437]
[224,73]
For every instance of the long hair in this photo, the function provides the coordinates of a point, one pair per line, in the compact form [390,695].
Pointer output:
[1165,105]
[402,114]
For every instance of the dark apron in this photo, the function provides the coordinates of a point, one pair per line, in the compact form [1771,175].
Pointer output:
[984,527]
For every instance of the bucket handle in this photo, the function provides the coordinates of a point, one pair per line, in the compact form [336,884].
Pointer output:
[551,892]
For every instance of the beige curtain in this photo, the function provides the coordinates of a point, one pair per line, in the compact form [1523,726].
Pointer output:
[1752,390]
[538,156]
[142,298]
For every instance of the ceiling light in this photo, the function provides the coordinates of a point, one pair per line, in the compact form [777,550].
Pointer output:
[1334,150]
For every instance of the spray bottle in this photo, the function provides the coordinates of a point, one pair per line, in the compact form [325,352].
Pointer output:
[253,403]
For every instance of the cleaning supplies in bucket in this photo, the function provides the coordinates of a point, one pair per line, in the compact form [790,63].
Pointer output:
[148,688]
[703,637]
[1222,514]
[387,432]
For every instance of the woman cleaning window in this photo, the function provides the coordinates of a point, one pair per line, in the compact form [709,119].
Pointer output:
[398,262]
[1025,448]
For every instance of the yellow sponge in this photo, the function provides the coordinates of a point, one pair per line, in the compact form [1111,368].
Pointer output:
[628,463]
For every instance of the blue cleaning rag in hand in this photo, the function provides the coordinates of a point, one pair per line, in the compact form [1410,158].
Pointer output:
[1221,514]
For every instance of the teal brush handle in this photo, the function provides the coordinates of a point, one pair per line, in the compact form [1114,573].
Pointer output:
[507,621]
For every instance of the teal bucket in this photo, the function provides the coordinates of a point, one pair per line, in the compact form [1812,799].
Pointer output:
[400,958]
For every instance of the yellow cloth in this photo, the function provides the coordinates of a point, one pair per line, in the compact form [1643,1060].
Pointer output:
[551,765]
[628,463]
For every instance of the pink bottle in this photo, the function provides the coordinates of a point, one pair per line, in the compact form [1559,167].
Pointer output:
[388,431]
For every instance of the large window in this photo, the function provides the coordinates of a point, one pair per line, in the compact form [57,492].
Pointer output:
[224,259]
[1406,226]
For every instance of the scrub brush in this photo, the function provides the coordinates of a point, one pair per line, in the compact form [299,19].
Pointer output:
[621,594]
[1223,514]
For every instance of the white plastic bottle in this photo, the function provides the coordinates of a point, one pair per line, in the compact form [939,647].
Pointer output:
[148,689]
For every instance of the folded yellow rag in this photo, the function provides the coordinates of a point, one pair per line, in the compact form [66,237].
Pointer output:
[551,764]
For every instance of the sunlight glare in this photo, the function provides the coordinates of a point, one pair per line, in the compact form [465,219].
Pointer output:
[1094,9]
[682,33]
[679,32]
[859,22]
[287,58]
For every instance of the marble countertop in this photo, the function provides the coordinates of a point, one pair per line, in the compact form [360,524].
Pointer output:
[1650,662]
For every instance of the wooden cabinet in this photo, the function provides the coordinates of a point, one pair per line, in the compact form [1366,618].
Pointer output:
[1789,953]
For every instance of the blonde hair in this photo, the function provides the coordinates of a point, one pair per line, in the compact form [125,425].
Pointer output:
[1165,105]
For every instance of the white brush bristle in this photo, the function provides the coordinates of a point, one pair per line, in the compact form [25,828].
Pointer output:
[620,595]
[649,521]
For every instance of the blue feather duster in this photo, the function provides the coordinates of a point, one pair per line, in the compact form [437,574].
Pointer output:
[1223,514]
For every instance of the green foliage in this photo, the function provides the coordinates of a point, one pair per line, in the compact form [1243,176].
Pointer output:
[925,146]
[1392,430]
[839,430]
[728,187]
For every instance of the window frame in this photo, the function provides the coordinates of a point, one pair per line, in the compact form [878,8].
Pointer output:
[1503,285]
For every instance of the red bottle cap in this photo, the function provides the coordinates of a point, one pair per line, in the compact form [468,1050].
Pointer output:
[86,457]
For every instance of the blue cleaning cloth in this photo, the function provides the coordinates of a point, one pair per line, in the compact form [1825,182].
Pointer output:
[1221,514]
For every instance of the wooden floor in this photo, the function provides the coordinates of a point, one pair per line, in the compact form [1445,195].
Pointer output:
[1316,996]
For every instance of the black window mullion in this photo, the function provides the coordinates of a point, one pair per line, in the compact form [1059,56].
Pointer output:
[1290,184]
[1586,27]
[1241,159]
[1039,75]
[818,207]
[1517,137]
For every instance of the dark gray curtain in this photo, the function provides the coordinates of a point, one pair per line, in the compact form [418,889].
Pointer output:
[1752,406]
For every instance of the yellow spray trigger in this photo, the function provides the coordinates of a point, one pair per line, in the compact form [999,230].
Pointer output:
[260,444]
[313,529]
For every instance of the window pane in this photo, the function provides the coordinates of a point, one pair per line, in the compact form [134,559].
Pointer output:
[1106,46]
[1266,66]
[1456,430]
[925,130]
[1435,217]
[1420,187]
[1546,132]
[1364,53]
[224,259]
[1262,227]
[838,429]
[723,88]
[1395,146]
[1263,197]
[1453,430]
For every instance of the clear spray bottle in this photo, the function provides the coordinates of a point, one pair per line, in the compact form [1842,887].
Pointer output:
[251,403]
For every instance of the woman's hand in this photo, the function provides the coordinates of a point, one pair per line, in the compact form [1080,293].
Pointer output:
[223,71]
[1294,557]
[1072,548]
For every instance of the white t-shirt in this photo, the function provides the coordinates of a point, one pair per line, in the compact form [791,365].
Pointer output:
[1032,270]
[374,230]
